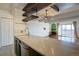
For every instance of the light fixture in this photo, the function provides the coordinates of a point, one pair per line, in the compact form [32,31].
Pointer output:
[44,18]
[46,12]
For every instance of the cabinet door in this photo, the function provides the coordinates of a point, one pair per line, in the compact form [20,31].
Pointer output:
[17,47]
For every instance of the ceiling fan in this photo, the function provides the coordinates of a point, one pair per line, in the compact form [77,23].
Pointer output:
[31,17]
[55,7]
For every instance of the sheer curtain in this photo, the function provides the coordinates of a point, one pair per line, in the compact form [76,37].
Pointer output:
[67,32]
[75,28]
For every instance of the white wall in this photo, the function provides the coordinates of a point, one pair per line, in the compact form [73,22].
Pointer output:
[6,28]
[18,23]
[36,28]
[5,14]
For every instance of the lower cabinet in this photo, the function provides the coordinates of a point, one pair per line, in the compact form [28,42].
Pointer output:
[22,49]
[34,53]
[17,47]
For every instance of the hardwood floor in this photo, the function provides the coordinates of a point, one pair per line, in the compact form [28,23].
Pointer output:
[7,51]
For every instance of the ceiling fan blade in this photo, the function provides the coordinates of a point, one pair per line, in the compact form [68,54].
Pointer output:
[55,7]
[30,18]
[34,16]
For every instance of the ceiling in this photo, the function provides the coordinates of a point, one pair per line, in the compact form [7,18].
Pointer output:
[11,6]
[63,7]
[50,12]
[41,13]
[5,6]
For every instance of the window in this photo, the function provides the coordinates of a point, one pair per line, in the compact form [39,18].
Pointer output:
[66,32]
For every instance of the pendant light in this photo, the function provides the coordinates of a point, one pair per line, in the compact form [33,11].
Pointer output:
[46,16]
[46,12]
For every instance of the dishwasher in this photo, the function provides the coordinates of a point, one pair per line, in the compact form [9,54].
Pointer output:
[24,49]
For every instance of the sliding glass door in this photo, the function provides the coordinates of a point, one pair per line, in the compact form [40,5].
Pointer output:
[66,32]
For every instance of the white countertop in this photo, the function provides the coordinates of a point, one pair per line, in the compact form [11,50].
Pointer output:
[49,46]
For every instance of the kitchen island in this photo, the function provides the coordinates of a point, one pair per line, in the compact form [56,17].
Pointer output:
[49,46]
